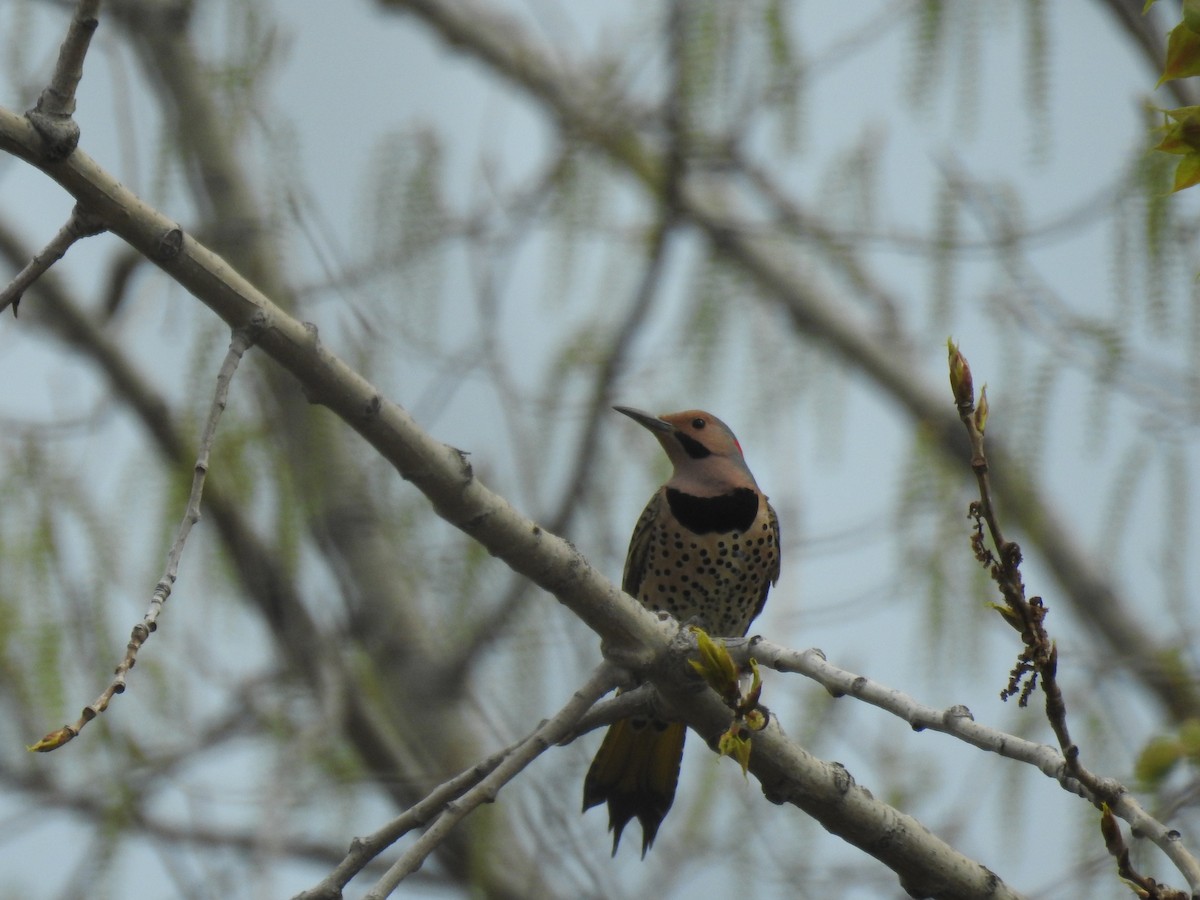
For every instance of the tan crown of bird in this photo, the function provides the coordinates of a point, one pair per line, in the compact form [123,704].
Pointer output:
[706,548]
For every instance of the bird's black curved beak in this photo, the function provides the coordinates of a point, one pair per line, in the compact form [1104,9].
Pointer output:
[645,419]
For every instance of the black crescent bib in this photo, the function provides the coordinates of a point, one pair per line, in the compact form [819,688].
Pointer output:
[734,511]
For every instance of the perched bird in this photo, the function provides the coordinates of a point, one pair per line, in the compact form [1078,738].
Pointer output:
[706,549]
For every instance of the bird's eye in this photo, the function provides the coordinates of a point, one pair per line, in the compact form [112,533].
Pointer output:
[698,422]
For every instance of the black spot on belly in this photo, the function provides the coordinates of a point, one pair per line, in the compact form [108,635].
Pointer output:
[734,511]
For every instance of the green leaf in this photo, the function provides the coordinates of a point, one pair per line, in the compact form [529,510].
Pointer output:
[1191,15]
[1183,54]
[715,664]
[1189,738]
[1188,172]
[1184,135]
[1157,759]
[736,744]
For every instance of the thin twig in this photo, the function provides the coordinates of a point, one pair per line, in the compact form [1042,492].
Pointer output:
[546,735]
[53,115]
[81,224]
[239,343]
[642,700]
[1039,657]
[363,850]
[957,722]
[1142,885]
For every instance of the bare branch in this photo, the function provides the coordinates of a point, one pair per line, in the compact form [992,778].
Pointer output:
[1141,885]
[641,700]
[240,342]
[545,736]
[364,850]
[925,864]
[1039,656]
[957,722]
[53,115]
[81,224]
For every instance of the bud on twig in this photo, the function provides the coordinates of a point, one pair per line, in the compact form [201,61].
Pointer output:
[981,411]
[716,666]
[960,377]
[1111,831]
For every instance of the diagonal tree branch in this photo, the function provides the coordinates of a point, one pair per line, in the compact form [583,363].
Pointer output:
[439,471]
[634,638]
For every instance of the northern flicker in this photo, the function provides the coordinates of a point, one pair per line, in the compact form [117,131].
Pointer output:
[706,548]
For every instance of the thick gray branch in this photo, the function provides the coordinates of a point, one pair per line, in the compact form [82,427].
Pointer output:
[633,636]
